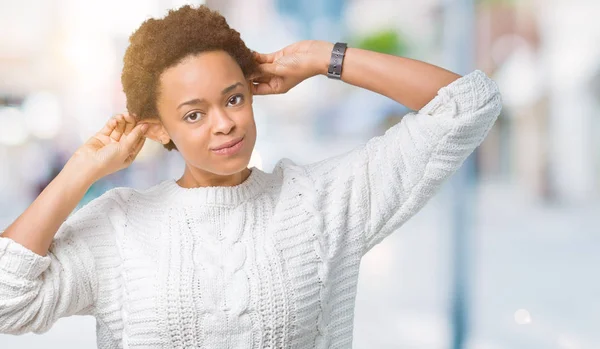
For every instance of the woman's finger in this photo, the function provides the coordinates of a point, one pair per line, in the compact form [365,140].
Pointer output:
[108,127]
[134,136]
[119,129]
[103,138]
[264,57]
[137,147]
[130,123]
[256,76]
[262,89]
[268,69]
[261,77]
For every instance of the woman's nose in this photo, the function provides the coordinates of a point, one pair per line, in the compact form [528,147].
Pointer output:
[222,122]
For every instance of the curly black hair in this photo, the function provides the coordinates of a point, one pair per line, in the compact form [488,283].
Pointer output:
[159,44]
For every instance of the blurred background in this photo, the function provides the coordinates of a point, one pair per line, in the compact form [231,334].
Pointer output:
[504,256]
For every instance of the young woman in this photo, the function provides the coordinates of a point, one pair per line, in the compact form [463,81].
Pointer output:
[229,256]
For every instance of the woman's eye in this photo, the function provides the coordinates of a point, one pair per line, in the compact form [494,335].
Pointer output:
[235,100]
[195,116]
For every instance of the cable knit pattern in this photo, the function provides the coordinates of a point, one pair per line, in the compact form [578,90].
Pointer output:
[270,263]
[322,247]
[219,258]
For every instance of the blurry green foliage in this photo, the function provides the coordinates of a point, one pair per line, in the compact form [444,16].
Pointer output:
[385,41]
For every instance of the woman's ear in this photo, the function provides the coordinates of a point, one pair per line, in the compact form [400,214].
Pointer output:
[156,130]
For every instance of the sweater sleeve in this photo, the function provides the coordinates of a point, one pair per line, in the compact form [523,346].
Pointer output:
[35,290]
[379,185]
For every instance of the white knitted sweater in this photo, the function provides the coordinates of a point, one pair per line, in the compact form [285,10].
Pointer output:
[270,263]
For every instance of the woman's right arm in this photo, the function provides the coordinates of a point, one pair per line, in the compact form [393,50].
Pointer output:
[110,150]
[47,264]
[35,228]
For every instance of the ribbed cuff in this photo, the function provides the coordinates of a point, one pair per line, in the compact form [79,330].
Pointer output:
[16,259]
[465,94]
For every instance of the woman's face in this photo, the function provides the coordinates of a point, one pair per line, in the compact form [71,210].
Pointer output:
[204,102]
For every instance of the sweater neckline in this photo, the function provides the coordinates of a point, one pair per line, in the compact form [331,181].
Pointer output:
[217,195]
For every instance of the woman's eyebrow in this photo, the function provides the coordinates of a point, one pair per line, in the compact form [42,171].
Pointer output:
[200,100]
[230,88]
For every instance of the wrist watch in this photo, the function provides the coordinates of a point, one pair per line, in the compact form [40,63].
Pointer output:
[337,59]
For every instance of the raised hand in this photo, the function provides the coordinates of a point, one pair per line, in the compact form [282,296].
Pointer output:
[282,70]
[111,149]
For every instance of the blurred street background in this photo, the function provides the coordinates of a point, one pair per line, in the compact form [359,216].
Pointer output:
[504,257]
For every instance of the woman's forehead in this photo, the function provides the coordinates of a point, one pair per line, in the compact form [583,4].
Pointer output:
[208,72]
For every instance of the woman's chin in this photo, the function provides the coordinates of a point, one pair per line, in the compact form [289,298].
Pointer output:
[232,166]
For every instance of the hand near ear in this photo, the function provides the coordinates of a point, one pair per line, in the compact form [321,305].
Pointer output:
[280,71]
[111,149]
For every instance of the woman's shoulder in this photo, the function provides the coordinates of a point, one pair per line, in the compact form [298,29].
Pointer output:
[111,201]
[120,197]
[113,206]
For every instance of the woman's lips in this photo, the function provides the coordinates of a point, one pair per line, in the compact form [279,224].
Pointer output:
[228,144]
[230,150]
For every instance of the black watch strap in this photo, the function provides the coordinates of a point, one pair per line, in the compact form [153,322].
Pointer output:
[337,59]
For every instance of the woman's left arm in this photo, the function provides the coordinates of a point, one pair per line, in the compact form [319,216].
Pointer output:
[409,82]
[377,186]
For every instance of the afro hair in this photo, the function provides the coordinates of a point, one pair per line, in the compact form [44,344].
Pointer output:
[159,44]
